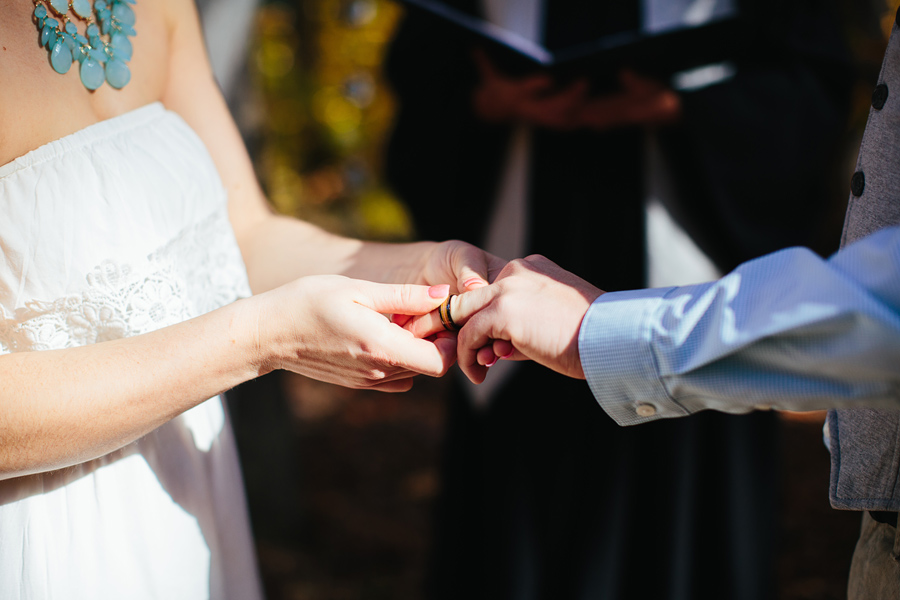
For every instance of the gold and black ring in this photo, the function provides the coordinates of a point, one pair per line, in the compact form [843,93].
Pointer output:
[444,312]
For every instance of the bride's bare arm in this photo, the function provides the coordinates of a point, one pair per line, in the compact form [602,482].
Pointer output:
[63,407]
[279,249]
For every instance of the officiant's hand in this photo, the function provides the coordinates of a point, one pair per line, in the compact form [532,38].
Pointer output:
[533,310]
[532,100]
[539,101]
[333,329]
[642,101]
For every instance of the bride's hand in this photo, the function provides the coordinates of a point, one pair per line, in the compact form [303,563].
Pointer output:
[333,329]
[464,266]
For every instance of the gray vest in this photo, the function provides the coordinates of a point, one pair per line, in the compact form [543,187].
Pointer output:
[865,444]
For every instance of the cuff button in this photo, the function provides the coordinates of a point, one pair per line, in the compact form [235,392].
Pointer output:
[645,410]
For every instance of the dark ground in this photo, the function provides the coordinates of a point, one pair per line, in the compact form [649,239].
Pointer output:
[341,484]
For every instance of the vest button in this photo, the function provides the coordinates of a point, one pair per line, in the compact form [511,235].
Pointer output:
[879,96]
[858,183]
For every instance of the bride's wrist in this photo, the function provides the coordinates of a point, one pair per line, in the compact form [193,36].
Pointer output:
[256,332]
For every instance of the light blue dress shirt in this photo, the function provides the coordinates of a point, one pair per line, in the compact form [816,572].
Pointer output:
[788,330]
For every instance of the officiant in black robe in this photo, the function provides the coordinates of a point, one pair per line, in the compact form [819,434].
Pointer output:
[542,495]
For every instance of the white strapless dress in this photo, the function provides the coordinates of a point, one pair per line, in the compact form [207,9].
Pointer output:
[114,231]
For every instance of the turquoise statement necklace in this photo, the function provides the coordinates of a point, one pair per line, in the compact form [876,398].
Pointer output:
[103,50]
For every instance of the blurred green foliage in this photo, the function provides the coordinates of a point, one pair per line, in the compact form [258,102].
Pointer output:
[324,112]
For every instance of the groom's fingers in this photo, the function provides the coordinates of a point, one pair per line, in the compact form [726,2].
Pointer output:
[486,357]
[475,338]
[462,307]
[503,349]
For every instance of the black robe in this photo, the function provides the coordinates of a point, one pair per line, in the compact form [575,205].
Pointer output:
[543,495]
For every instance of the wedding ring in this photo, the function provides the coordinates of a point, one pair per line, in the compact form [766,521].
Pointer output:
[444,312]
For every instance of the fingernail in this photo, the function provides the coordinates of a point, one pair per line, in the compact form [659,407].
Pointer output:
[471,281]
[508,354]
[439,291]
[492,363]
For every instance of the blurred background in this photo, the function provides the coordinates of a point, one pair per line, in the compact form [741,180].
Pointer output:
[341,483]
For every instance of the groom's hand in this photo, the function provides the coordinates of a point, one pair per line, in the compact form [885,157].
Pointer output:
[533,310]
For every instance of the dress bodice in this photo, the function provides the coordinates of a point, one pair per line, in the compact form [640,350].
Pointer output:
[117,230]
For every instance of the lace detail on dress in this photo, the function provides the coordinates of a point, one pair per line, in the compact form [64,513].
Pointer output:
[198,271]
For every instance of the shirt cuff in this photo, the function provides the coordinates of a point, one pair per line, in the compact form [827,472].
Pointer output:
[616,354]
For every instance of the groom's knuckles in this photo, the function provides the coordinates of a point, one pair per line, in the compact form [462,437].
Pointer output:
[464,306]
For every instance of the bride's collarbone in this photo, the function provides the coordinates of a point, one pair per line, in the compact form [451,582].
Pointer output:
[39,105]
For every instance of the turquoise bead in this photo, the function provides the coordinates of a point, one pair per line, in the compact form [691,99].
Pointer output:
[82,8]
[60,6]
[92,74]
[74,49]
[123,14]
[117,73]
[61,58]
[122,46]
[113,21]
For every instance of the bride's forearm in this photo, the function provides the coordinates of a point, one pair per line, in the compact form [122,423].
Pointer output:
[279,249]
[63,407]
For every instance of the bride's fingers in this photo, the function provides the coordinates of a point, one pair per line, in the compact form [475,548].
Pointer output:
[393,350]
[400,385]
[397,299]
[400,320]
[423,326]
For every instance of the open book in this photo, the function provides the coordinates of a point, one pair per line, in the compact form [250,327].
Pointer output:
[703,32]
